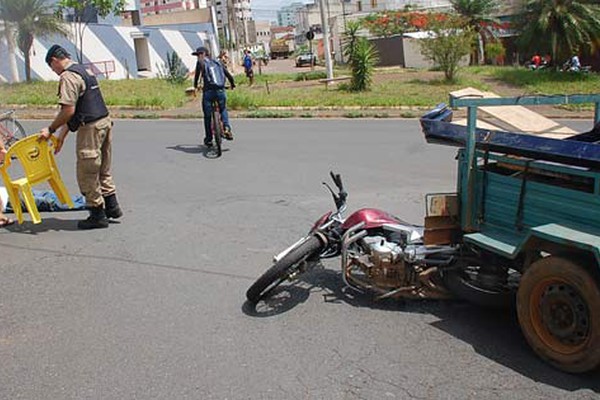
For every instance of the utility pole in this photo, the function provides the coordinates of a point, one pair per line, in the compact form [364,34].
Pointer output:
[344,31]
[232,33]
[325,28]
[231,24]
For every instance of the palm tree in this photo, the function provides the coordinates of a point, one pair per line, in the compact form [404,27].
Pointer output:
[32,18]
[7,30]
[566,25]
[477,15]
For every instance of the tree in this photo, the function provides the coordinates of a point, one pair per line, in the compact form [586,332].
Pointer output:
[448,42]
[561,27]
[477,17]
[31,18]
[8,31]
[80,9]
[350,38]
[396,22]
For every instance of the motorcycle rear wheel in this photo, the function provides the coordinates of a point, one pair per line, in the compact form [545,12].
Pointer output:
[282,269]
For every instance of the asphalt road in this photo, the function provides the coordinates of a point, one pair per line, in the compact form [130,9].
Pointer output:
[153,307]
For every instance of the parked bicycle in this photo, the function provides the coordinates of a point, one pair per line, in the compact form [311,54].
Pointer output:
[11,130]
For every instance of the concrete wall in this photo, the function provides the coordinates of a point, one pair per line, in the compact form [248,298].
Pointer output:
[115,46]
[414,59]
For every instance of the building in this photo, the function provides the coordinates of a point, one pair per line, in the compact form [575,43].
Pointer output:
[287,16]
[234,21]
[263,34]
[381,5]
[153,7]
[115,52]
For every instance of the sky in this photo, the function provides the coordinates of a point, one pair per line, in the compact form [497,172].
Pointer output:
[267,9]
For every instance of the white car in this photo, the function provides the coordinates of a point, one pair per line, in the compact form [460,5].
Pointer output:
[306,59]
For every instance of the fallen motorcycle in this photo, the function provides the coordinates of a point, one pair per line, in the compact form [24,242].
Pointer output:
[522,229]
[379,253]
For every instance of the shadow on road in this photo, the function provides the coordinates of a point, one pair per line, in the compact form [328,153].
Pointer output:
[207,152]
[493,334]
[48,224]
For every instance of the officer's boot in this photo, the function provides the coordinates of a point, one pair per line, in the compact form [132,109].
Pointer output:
[96,220]
[111,206]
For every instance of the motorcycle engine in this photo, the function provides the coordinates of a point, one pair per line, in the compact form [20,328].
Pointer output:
[385,263]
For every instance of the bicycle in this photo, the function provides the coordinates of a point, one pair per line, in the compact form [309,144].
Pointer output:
[11,130]
[216,126]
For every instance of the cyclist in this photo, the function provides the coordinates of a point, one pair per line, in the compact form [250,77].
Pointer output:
[213,89]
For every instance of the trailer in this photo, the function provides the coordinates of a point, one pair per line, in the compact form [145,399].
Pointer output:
[528,214]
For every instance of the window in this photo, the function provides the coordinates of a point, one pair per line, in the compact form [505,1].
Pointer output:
[373,3]
[359,6]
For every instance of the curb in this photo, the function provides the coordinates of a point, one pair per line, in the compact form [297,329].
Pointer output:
[403,112]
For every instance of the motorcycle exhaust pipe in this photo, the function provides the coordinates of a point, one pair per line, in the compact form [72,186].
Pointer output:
[348,238]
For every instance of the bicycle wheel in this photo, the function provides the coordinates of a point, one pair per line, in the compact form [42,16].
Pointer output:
[217,129]
[11,130]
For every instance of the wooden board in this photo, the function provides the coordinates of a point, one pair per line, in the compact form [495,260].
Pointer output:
[519,118]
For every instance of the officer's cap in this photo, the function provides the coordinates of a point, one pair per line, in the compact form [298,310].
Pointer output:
[56,51]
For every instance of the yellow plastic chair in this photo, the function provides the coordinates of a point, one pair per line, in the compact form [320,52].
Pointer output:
[39,165]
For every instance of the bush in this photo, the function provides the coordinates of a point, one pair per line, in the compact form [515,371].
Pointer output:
[173,71]
[362,57]
[362,65]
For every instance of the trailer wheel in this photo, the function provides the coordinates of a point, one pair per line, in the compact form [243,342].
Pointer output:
[558,304]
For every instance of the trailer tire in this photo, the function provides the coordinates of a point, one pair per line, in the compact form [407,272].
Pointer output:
[558,305]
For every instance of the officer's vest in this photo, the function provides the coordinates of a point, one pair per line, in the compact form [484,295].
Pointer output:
[90,106]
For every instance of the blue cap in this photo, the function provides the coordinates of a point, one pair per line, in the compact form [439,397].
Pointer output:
[202,50]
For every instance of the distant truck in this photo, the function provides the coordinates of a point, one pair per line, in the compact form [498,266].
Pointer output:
[281,48]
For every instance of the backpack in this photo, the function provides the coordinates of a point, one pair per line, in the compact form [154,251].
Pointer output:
[213,73]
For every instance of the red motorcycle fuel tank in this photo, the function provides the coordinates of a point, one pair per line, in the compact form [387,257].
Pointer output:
[372,217]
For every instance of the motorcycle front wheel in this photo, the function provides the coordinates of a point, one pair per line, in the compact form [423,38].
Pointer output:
[283,269]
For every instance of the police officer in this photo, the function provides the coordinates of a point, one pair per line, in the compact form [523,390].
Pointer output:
[82,109]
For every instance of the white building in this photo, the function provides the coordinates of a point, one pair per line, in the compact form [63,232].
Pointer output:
[116,52]
[287,16]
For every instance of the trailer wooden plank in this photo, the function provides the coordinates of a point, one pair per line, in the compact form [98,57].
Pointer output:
[518,118]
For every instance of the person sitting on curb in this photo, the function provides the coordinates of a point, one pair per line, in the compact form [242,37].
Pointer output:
[4,220]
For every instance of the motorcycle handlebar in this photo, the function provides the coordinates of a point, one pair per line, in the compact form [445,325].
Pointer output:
[340,197]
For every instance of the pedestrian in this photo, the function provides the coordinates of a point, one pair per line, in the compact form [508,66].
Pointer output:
[547,60]
[536,60]
[82,110]
[213,88]
[575,63]
[248,63]
[4,220]
[224,59]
